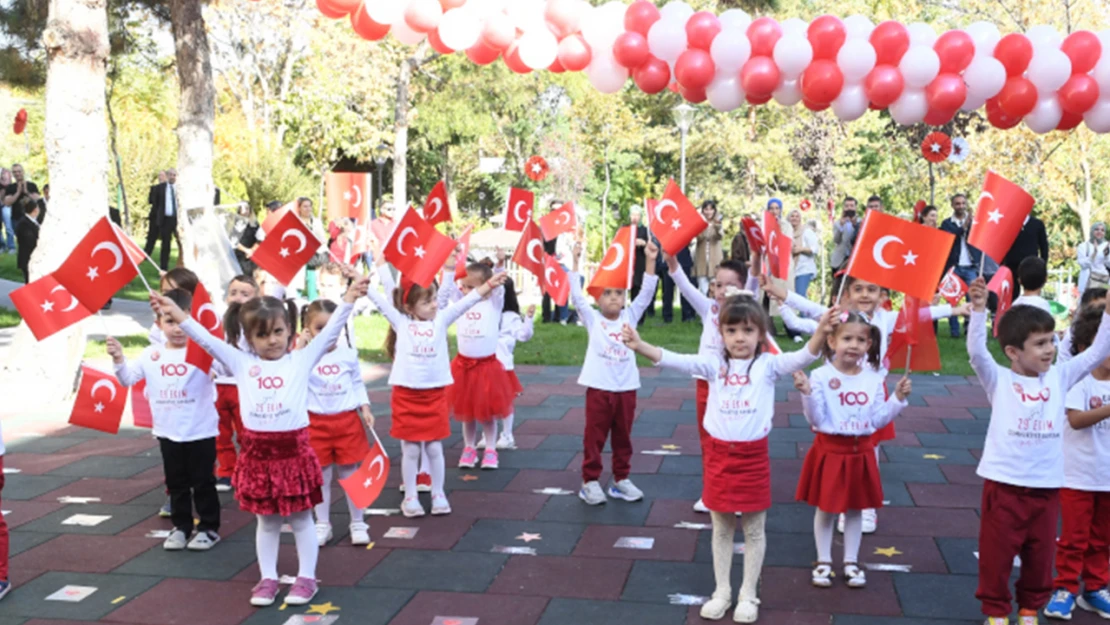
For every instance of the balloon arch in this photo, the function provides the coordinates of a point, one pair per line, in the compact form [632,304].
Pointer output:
[850,65]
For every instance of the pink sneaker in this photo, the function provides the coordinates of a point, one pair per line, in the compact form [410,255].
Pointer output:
[303,590]
[264,593]
[469,458]
[489,459]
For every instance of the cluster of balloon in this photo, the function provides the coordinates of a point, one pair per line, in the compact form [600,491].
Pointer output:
[849,65]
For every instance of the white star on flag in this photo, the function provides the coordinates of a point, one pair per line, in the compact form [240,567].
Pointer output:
[935,147]
[99,407]
[676,224]
[47,306]
[284,252]
[909,258]
[995,216]
[419,251]
[368,482]
[347,196]
[93,273]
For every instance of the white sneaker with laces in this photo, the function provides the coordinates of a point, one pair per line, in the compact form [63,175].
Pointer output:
[360,533]
[412,508]
[175,541]
[323,533]
[699,506]
[203,541]
[592,494]
[625,490]
[440,505]
[870,521]
[506,441]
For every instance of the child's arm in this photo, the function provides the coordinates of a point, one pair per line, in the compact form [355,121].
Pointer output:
[884,412]
[586,312]
[127,373]
[1063,350]
[694,297]
[791,299]
[981,361]
[788,362]
[1084,362]
[647,289]
[384,303]
[449,292]
[220,350]
[523,332]
[1079,416]
[454,311]
[324,341]
[691,364]
[813,401]
[356,379]
[792,321]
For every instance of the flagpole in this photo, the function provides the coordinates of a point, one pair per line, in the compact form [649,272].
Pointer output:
[376,439]
[909,354]
[107,331]
[982,262]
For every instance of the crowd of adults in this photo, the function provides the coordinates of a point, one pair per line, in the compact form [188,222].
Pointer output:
[23,208]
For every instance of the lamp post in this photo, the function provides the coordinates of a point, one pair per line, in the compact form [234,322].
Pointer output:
[684,119]
[381,155]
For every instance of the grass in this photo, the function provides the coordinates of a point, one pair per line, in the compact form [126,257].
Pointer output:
[9,318]
[135,290]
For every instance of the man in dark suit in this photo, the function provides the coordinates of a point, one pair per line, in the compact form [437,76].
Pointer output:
[1032,240]
[163,217]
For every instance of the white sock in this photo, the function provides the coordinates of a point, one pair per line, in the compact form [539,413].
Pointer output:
[424,462]
[509,423]
[823,525]
[470,433]
[410,458]
[267,540]
[853,535]
[304,535]
[345,471]
[755,547]
[724,535]
[490,432]
[323,509]
[435,465]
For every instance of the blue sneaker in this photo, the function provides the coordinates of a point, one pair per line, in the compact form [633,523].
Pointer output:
[1061,605]
[1097,601]
[5,588]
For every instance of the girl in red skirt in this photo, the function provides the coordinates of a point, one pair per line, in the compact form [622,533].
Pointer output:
[514,329]
[846,404]
[736,466]
[277,475]
[338,404]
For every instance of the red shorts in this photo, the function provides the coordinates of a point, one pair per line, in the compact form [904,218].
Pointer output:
[338,438]
[737,475]
[514,383]
[419,415]
[840,473]
[481,392]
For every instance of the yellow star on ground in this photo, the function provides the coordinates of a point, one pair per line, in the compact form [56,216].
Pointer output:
[889,552]
[468,477]
[671,447]
[322,608]
[933,457]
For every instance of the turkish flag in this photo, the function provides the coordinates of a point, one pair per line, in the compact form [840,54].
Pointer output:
[47,307]
[436,209]
[753,234]
[615,270]
[133,250]
[952,288]
[674,220]
[348,195]
[1003,207]
[529,252]
[917,208]
[919,254]
[417,249]
[275,216]
[1002,284]
[141,417]
[366,483]
[779,250]
[287,248]
[555,281]
[518,209]
[914,327]
[97,267]
[463,253]
[558,221]
[100,401]
[204,313]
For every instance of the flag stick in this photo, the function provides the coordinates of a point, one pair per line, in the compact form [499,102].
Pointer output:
[143,278]
[909,354]
[100,315]
[376,439]
[982,262]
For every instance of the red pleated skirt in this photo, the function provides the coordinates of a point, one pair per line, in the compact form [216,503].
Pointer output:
[840,473]
[338,438]
[514,383]
[419,415]
[736,475]
[277,473]
[482,390]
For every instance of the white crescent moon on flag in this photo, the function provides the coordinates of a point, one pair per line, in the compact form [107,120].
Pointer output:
[103,384]
[114,249]
[562,218]
[297,234]
[618,260]
[534,244]
[659,208]
[401,239]
[877,251]
[436,202]
[984,194]
[72,299]
[358,192]
[771,244]
[1005,287]
[381,466]
[516,210]
[212,309]
[547,276]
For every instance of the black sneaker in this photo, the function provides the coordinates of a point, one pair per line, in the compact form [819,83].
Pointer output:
[223,485]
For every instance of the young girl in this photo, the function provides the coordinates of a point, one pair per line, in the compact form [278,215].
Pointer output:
[277,474]
[417,343]
[240,290]
[844,402]
[514,329]
[736,466]
[338,404]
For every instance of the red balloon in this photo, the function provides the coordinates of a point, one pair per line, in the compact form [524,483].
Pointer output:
[1014,51]
[693,96]
[631,50]
[821,82]
[498,32]
[332,9]
[955,49]
[1068,121]
[1018,97]
[939,117]
[513,61]
[701,29]
[757,100]
[764,33]
[826,34]
[481,54]
[890,40]
[883,86]
[759,77]
[998,118]
[640,16]
[1078,94]
[367,28]
[437,43]
[1084,49]
[814,106]
[695,69]
[653,76]
[556,67]
[947,92]
[574,53]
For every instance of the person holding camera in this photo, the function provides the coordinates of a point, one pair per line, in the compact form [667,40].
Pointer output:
[844,234]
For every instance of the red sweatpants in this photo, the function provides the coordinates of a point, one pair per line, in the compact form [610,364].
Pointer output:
[227,405]
[700,402]
[3,532]
[608,414]
[1016,521]
[1084,545]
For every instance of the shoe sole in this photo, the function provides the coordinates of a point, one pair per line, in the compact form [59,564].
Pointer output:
[262,603]
[325,541]
[1081,602]
[715,616]
[301,600]
[1057,615]
[468,465]
[590,503]
[440,511]
[223,489]
[489,467]
[619,495]
[360,542]
[164,515]
[173,548]
[822,584]
[204,548]
[423,488]
[413,515]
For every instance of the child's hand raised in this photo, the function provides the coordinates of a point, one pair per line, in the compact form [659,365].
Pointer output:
[829,320]
[651,251]
[115,350]
[672,263]
[498,279]
[977,293]
[801,382]
[905,386]
[359,286]
[630,337]
[163,305]
[303,339]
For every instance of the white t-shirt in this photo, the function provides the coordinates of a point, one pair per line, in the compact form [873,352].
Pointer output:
[849,405]
[335,385]
[609,364]
[1025,445]
[805,263]
[182,398]
[478,330]
[1087,451]
[711,342]
[1033,300]
[514,329]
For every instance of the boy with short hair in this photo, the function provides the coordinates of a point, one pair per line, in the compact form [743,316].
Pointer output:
[1032,274]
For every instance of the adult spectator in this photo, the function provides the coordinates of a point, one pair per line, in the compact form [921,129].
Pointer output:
[640,261]
[1032,240]
[875,203]
[928,216]
[43,201]
[1094,264]
[163,217]
[844,234]
[707,251]
[244,238]
[313,223]
[686,265]
[27,233]
[804,251]
[565,244]
[19,195]
[963,257]
[7,232]
[739,250]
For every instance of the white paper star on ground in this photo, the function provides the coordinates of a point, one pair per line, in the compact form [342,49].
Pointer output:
[909,258]
[526,537]
[93,273]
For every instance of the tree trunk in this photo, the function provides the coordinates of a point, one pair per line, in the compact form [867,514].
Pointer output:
[40,377]
[401,127]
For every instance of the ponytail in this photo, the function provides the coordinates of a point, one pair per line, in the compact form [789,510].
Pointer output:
[876,346]
[233,328]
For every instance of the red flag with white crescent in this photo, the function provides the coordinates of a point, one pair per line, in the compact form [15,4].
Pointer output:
[555,281]
[675,221]
[417,249]
[366,483]
[558,221]
[529,252]
[348,195]
[900,255]
[100,401]
[98,267]
[436,210]
[1002,285]
[615,270]
[204,313]
[463,253]
[288,247]
[518,209]
[754,235]
[1001,212]
[913,328]
[47,307]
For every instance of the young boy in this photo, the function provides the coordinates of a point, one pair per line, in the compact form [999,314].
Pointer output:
[1083,549]
[1023,459]
[1032,274]
[611,380]
[182,405]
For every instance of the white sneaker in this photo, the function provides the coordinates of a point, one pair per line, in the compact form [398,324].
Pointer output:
[625,490]
[203,541]
[592,494]
[717,606]
[323,533]
[699,506]
[840,523]
[175,541]
[440,505]
[506,441]
[870,521]
[360,533]
[822,575]
[412,508]
[797,339]
[747,611]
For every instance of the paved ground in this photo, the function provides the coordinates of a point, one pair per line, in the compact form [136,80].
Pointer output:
[454,569]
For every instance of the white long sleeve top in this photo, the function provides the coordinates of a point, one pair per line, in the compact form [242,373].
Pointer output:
[609,364]
[514,329]
[182,398]
[849,405]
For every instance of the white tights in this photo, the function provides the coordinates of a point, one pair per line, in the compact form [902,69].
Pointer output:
[755,547]
[432,455]
[470,433]
[267,540]
[508,425]
[323,509]
[823,525]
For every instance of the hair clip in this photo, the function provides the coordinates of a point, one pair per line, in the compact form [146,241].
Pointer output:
[731,291]
[844,316]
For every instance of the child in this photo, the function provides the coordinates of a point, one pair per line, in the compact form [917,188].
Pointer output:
[337,407]
[417,343]
[1023,460]
[277,474]
[736,464]
[844,401]
[182,406]
[240,290]
[1094,297]
[611,380]
[514,329]
[1081,550]
[1032,274]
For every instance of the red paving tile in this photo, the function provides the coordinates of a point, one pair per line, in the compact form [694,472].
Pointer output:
[485,505]
[641,463]
[557,576]
[675,392]
[110,491]
[23,512]
[545,427]
[487,608]
[599,541]
[903,438]
[113,446]
[792,589]
[527,480]
[436,533]
[777,617]
[181,601]
[904,521]
[659,403]
[78,553]
[961,474]
[669,512]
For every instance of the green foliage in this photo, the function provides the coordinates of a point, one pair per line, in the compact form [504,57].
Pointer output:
[267,173]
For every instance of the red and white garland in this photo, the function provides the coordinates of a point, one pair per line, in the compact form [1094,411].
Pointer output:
[849,65]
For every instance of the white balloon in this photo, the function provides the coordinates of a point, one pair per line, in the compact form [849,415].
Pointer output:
[459,29]
[481,8]
[385,11]
[856,59]
[1045,116]
[1101,72]
[526,14]
[735,19]
[921,34]
[984,77]
[985,35]
[1049,69]
[1097,117]
[973,104]
[788,93]
[919,66]
[851,104]
[538,48]
[725,94]
[1043,36]
[730,50]
[406,35]
[676,9]
[792,54]
[858,27]
[910,107]
[666,39]
[605,74]
[794,26]
[597,29]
